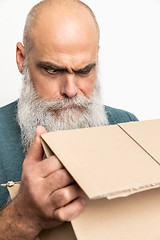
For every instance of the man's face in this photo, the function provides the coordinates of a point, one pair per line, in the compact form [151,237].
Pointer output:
[62,68]
[63,60]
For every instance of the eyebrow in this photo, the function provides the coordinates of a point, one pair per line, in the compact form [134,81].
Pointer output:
[50,65]
[86,68]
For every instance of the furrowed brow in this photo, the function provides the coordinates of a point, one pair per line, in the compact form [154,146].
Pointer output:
[86,68]
[49,65]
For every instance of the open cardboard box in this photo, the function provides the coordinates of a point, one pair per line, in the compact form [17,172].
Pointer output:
[118,168]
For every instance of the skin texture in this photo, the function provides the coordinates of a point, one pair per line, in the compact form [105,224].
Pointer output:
[48,195]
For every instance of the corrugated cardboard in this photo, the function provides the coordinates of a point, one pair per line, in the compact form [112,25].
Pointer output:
[114,165]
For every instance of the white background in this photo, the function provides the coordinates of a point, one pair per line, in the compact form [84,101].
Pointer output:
[129,55]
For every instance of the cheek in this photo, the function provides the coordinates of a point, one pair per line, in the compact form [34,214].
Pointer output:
[46,88]
[87,85]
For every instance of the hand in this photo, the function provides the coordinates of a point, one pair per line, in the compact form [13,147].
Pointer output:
[48,195]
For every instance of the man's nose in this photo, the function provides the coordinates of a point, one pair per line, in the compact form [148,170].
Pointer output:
[69,87]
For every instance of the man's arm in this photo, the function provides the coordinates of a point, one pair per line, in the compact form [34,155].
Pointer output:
[12,226]
[48,196]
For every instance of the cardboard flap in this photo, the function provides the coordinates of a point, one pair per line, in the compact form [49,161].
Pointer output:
[147,135]
[135,217]
[47,151]
[105,161]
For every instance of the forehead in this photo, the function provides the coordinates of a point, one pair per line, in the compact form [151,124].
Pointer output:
[58,36]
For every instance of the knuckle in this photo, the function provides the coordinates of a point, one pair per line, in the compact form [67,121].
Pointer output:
[79,207]
[65,195]
[54,158]
[61,197]
[61,175]
[67,214]
[58,175]
[55,161]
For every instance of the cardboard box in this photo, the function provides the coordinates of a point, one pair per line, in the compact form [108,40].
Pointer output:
[118,168]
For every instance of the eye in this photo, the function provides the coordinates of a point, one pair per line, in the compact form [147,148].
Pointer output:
[51,71]
[86,71]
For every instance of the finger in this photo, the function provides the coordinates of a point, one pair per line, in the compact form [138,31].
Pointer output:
[70,211]
[48,166]
[57,180]
[65,195]
[35,153]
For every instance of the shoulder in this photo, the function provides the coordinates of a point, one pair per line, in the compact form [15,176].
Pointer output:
[8,111]
[8,118]
[9,129]
[118,116]
[11,151]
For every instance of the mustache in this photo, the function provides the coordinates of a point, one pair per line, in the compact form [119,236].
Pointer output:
[78,102]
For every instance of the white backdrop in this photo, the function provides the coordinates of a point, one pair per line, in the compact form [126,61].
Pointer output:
[129,55]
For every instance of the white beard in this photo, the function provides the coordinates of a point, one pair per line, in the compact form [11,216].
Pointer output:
[54,115]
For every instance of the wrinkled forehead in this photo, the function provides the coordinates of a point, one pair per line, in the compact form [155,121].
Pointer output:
[63,25]
[66,32]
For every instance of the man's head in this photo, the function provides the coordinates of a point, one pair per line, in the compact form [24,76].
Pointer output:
[61,45]
[59,60]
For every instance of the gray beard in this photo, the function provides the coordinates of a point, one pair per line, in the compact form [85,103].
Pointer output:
[54,115]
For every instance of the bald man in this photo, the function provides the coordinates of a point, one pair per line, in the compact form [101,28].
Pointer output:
[58,61]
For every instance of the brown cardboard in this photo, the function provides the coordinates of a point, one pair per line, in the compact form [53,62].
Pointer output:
[117,162]
[135,217]
[146,134]
[105,161]
[114,161]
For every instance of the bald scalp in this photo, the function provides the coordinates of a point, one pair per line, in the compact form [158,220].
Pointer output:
[33,15]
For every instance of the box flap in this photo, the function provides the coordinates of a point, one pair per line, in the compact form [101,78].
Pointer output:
[136,217]
[146,134]
[105,161]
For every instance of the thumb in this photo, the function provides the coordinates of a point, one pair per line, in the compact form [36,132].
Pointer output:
[35,152]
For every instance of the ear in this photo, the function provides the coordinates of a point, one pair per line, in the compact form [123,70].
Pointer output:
[20,56]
